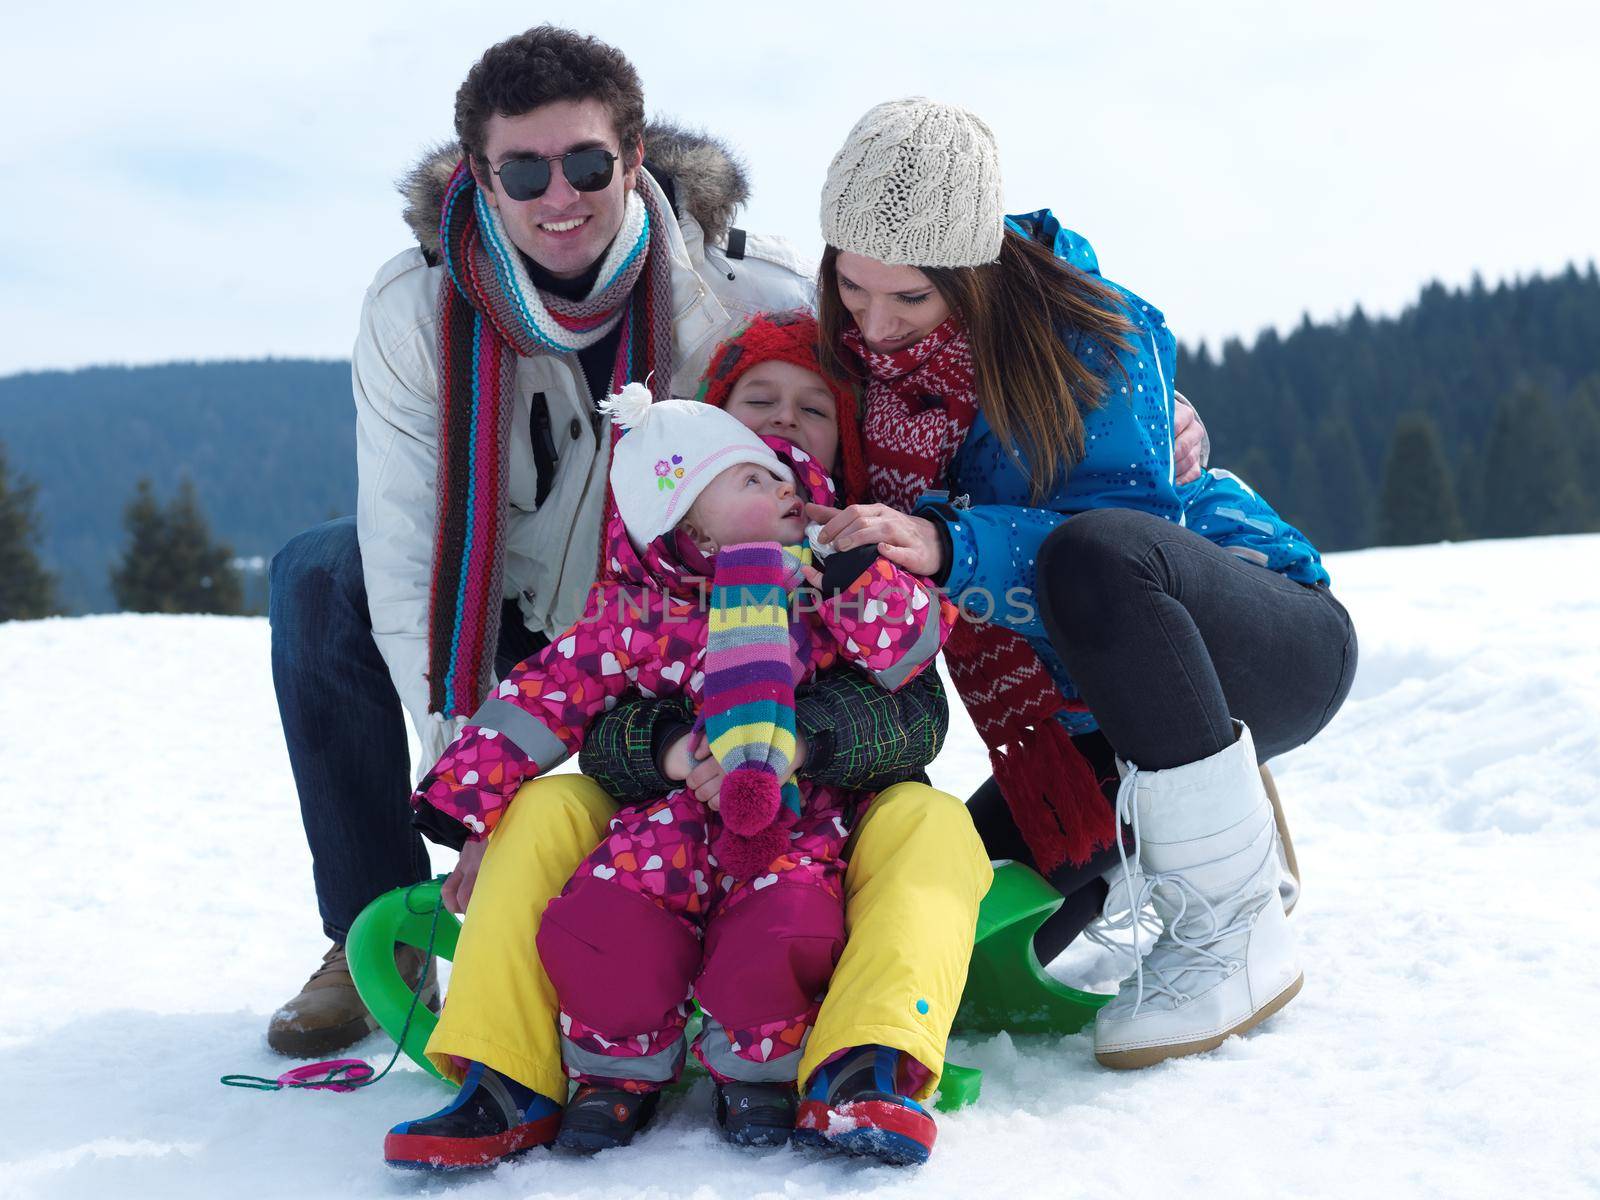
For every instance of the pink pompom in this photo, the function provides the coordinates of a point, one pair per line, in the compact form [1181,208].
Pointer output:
[750,799]
[746,857]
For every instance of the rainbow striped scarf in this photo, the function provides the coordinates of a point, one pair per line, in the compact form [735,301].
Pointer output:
[490,315]
[748,707]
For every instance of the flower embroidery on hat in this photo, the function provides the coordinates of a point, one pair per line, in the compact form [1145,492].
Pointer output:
[668,472]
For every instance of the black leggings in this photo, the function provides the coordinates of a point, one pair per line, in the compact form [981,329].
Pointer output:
[1170,638]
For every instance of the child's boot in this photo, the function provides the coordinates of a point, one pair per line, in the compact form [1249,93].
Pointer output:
[491,1118]
[600,1117]
[756,1114]
[858,1103]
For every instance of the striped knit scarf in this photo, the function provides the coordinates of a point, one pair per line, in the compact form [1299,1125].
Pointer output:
[749,701]
[920,405]
[490,315]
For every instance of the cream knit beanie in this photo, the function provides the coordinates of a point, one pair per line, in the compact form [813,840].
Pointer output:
[917,183]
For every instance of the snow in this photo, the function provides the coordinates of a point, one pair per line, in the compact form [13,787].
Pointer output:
[1448,829]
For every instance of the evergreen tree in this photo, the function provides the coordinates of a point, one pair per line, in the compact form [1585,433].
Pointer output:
[1303,500]
[1255,468]
[1530,474]
[1346,488]
[211,583]
[172,565]
[1583,422]
[1470,491]
[27,590]
[1418,503]
[138,582]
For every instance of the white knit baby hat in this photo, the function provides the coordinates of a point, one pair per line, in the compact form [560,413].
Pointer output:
[670,452]
[917,183]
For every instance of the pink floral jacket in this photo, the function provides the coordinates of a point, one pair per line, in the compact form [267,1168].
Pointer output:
[644,632]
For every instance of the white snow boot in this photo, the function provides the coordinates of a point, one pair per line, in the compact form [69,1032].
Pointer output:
[1206,858]
[1288,864]
[1115,918]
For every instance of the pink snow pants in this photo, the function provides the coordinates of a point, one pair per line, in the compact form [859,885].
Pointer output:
[649,921]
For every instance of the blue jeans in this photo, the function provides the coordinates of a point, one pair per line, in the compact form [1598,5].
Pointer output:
[344,725]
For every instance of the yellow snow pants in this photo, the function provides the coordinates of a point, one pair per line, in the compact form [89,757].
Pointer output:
[917,872]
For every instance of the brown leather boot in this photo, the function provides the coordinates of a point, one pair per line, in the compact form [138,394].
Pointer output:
[328,1015]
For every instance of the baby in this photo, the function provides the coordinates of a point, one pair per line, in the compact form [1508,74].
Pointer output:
[740,908]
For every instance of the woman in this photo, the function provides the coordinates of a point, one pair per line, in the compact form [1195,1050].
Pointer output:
[1188,624]
[917,869]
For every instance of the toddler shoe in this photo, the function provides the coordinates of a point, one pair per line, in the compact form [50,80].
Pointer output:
[856,1104]
[491,1118]
[756,1114]
[603,1118]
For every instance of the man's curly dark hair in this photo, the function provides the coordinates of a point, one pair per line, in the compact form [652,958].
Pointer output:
[544,64]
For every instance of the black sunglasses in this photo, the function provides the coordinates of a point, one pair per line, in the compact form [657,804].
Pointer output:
[527,178]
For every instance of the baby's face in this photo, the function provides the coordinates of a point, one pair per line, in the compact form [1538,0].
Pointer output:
[746,503]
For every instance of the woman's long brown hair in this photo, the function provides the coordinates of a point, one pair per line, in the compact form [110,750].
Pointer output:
[1016,310]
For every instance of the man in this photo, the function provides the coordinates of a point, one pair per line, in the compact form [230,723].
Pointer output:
[572,250]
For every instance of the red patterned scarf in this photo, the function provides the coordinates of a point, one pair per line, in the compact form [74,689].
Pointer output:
[490,315]
[920,405]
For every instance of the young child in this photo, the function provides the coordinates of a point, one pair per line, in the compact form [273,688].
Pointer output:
[742,907]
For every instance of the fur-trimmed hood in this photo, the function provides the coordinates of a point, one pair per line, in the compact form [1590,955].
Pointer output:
[703,175]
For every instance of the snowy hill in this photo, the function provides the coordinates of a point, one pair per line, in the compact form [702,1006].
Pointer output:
[1448,828]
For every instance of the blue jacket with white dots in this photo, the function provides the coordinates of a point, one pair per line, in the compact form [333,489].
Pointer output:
[1127,463]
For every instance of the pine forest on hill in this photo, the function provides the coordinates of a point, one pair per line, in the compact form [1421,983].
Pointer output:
[1505,382]
[269,444]
[1474,413]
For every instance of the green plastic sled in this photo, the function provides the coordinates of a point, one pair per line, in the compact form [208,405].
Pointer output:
[1006,986]
[403,915]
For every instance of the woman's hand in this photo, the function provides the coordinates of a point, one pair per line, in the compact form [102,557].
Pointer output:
[909,542]
[457,889]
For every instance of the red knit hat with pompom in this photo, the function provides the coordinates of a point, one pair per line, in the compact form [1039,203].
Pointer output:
[790,337]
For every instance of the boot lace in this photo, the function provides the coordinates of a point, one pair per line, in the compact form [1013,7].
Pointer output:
[1101,930]
[1199,956]
[333,960]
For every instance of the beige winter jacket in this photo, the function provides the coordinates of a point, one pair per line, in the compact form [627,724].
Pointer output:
[550,548]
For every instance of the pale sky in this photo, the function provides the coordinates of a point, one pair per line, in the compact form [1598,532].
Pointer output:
[183,181]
